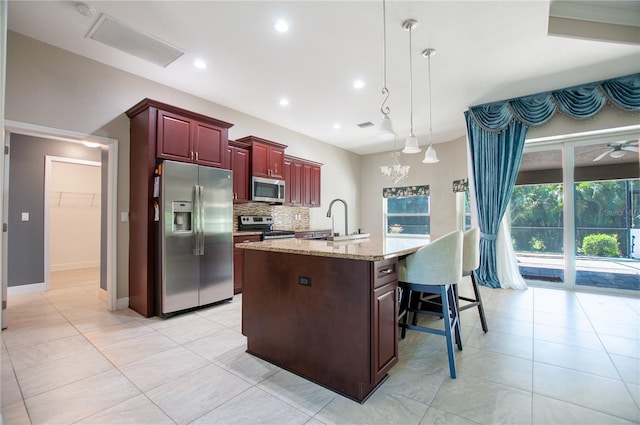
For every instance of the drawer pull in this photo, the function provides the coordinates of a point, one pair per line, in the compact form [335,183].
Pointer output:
[386,271]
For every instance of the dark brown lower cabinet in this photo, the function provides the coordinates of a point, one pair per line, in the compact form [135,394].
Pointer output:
[330,320]
[238,261]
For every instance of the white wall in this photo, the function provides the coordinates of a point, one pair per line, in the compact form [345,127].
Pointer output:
[74,216]
[54,88]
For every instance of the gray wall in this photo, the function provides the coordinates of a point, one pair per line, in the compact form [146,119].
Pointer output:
[26,194]
[439,177]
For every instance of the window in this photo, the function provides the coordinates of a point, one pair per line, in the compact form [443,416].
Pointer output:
[463,204]
[407,216]
[463,210]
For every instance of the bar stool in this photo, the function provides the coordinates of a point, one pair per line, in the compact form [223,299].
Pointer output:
[434,269]
[470,263]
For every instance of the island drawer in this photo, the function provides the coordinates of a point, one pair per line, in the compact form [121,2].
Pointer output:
[384,272]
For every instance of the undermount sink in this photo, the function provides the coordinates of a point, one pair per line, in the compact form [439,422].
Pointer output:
[348,237]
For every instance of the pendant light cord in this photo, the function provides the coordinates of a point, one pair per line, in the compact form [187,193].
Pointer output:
[429,84]
[383,108]
[411,82]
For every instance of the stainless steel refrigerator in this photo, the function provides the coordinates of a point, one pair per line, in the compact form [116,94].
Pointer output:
[196,236]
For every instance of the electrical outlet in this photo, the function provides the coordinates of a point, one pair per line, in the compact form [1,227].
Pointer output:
[305,281]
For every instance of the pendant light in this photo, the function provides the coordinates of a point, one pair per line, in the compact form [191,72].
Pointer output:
[430,156]
[411,144]
[385,128]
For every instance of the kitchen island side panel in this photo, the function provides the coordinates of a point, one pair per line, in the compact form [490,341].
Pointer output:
[321,331]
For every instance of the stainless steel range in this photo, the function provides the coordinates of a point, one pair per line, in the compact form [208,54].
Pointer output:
[264,224]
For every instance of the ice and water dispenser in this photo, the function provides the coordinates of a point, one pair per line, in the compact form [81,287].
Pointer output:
[181,216]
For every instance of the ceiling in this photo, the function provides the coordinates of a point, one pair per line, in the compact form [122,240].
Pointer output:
[584,156]
[486,51]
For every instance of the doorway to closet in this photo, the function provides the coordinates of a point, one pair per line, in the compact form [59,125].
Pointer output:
[72,223]
[25,265]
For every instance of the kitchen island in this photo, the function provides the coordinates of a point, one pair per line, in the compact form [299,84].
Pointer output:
[324,310]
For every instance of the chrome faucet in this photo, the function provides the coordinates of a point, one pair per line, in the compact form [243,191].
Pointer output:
[346,227]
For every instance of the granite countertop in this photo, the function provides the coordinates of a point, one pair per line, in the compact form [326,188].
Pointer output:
[247,233]
[374,248]
[257,232]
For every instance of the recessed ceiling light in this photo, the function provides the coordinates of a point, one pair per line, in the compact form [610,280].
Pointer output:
[358,84]
[284,101]
[90,144]
[337,126]
[281,25]
[200,64]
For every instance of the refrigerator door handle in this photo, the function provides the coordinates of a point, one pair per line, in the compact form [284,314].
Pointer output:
[196,218]
[201,220]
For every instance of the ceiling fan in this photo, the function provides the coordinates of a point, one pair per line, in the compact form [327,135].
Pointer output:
[617,150]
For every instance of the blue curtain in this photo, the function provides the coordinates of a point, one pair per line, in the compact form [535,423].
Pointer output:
[496,134]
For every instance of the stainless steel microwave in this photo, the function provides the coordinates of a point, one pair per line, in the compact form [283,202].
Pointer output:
[267,190]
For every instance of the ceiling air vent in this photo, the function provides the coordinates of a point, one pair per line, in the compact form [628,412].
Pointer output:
[115,34]
[365,124]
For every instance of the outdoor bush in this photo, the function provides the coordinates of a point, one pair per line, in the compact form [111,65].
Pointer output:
[601,245]
[537,244]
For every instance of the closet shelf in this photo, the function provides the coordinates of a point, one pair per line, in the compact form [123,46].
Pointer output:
[75,199]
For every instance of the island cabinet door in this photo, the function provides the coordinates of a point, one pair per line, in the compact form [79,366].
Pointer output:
[384,338]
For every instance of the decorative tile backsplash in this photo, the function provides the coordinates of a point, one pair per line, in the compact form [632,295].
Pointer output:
[284,218]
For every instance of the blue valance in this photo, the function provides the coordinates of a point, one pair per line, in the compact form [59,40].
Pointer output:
[578,102]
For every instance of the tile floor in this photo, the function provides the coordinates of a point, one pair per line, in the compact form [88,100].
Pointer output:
[550,357]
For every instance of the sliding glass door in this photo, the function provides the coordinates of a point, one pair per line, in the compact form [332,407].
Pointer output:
[537,216]
[607,216]
[575,215]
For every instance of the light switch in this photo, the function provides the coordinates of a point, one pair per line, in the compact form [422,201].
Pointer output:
[25,216]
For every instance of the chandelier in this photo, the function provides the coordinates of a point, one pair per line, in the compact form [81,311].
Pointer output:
[396,171]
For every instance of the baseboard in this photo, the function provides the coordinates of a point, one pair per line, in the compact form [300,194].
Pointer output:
[30,288]
[122,303]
